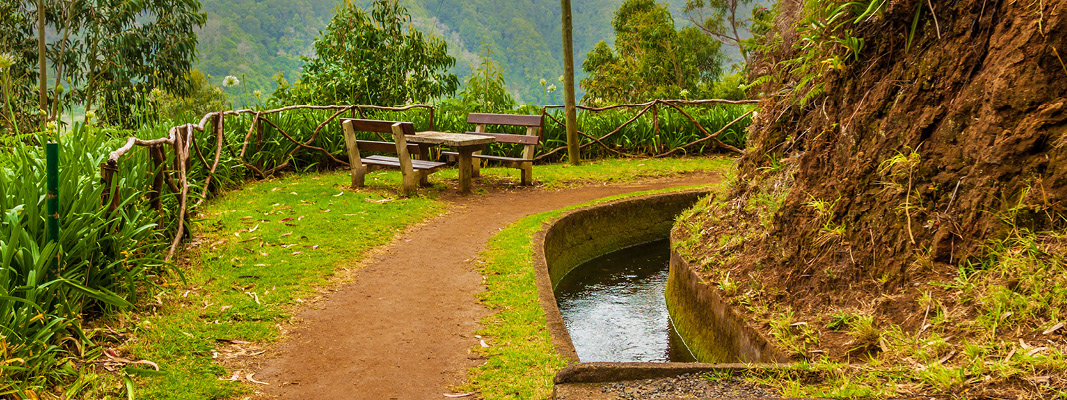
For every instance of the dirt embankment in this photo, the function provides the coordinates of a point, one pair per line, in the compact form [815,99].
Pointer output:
[902,173]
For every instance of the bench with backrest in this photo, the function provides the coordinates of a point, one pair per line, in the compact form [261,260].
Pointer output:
[528,141]
[413,171]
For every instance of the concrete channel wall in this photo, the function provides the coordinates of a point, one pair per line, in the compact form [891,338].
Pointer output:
[706,324]
[584,234]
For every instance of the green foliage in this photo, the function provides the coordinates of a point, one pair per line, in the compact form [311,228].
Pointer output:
[200,99]
[106,259]
[103,52]
[485,89]
[720,20]
[650,59]
[373,58]
[827,42]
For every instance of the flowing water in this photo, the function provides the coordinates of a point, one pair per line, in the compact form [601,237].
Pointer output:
[614,307]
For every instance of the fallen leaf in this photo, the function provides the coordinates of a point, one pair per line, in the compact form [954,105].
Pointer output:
[260,265]
[253,228]
[1035,351]
[235,377]
[459,395]
[315,247]
[1053,328]
[249,377]
[146,362]
[483,344]
[287,220]
[297,253]
[1010,354]
[379,201]
[285,234]
[231,341]
[339,194]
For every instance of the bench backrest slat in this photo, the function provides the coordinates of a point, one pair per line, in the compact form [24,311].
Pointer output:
[384,147]
[371,125]
[506,138]
[504,119]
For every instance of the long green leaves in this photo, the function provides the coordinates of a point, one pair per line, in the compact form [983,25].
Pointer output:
[106,259]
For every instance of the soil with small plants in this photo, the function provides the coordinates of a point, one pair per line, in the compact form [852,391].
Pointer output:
[914,215]
[404,327]
[689,386]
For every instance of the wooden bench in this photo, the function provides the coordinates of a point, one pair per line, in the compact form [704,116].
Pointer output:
[414,171]
[533,124]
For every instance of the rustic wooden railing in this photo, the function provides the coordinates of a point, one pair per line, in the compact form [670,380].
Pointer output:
[180,142]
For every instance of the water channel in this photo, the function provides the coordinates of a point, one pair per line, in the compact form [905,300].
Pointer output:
[614,309]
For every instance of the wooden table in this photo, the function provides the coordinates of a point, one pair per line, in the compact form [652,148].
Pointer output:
[465,145]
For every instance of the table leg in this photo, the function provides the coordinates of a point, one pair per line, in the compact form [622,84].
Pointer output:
[465,170]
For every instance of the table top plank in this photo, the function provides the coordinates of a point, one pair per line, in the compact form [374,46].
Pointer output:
[449,138]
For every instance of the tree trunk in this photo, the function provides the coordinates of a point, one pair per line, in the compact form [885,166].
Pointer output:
[573,151]
[42,74]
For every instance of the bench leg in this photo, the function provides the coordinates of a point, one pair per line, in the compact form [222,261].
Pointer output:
[527,173]
[476,166]
[359,173]
[424,179]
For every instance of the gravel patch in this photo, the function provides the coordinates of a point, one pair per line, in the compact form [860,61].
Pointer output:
[688,385]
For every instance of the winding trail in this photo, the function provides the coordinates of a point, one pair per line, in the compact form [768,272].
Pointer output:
[404,327]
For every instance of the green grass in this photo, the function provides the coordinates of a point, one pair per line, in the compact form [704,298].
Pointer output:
[522,360]
[276,241]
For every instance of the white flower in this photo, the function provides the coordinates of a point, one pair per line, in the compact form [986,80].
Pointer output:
[551,88]
[230,81]
[598,100]
[257,93]
[543,81]
[7,60]
[561,78]
[89,115]
[684,93]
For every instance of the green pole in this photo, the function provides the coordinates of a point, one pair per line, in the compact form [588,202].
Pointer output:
[52,155]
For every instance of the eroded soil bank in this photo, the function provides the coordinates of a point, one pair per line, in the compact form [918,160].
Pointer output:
[914,212]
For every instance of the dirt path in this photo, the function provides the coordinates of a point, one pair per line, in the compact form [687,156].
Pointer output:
[403,328]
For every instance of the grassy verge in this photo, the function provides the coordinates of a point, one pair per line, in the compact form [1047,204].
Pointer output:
[265,249]
[522,361]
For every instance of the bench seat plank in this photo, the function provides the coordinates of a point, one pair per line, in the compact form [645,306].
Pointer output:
[395,162]
[453,155]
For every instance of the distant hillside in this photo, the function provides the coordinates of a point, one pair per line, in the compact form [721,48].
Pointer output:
[259,38]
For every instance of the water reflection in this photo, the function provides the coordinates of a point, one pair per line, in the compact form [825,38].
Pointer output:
[614,307]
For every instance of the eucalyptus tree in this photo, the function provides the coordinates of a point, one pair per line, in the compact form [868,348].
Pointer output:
[720,20]
[651,59]
[106,54]
[374,57]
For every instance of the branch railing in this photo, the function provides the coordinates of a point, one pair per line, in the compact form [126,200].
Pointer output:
[180,145]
